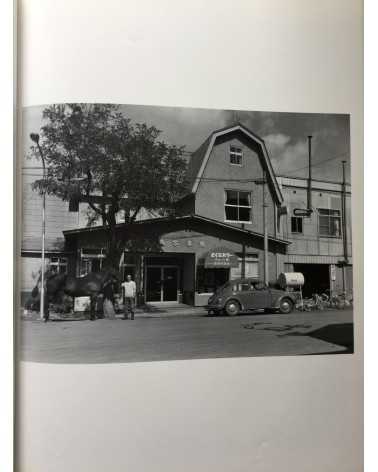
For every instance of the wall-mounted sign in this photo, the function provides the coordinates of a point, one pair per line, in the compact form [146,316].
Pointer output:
[221,257]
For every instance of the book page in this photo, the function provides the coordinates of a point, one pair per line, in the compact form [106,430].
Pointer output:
[232,339]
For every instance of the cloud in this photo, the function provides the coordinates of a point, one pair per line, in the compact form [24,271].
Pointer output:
[285,134]
[287,156]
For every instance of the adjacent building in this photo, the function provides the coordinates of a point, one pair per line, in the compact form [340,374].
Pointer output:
[234,202]
[321,244]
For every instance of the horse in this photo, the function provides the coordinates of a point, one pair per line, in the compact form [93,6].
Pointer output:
[90,285]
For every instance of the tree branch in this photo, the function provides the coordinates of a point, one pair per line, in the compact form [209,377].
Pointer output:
[134,215]
[94,208]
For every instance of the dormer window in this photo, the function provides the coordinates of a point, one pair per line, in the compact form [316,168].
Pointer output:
[236,156]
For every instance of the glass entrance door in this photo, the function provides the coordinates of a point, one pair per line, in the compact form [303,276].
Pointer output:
[161,284]
[169,285]
[153,284]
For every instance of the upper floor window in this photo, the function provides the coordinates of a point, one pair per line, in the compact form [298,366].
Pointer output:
[73,205]
[236,155]
[238,206]
[297,224]
[329,223]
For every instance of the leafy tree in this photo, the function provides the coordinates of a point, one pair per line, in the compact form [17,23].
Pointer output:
[94,154]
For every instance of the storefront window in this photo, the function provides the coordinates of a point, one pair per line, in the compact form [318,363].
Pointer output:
[58,265]
[208,280]
[91,260]
[251,268]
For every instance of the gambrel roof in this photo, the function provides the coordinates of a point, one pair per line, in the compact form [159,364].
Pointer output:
[199,158]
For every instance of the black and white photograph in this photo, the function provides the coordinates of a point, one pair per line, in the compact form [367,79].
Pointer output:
[154,233]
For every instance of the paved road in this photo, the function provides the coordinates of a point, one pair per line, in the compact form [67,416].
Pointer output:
[187,336]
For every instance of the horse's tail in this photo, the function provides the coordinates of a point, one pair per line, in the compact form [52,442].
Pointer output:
[35,291]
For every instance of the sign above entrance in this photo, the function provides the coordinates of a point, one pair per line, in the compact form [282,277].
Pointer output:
[222,258]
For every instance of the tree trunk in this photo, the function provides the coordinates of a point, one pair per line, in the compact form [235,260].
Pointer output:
[114,249]
[113,255]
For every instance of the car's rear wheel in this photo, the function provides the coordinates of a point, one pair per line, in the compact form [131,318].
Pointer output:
[286,306]
[232,308]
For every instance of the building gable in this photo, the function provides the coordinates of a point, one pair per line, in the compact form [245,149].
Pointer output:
[201,158]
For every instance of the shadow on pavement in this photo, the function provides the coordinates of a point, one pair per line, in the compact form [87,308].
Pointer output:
[339,333]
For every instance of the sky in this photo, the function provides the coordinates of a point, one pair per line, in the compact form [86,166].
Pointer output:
[285,134]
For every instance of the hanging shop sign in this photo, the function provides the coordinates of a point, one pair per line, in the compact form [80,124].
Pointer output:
[222,258]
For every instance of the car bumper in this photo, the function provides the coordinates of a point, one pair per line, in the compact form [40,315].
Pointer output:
[214,307]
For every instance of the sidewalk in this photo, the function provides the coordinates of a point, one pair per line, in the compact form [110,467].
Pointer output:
[146,311]
[157,311]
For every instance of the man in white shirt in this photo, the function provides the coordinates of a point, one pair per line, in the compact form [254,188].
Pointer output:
[129,293]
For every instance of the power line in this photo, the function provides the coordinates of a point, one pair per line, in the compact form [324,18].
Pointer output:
[317,164]
[214,179]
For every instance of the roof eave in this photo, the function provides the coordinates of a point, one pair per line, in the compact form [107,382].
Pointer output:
[180,218]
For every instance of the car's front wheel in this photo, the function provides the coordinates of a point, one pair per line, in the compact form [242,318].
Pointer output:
[286,306]
[232,308]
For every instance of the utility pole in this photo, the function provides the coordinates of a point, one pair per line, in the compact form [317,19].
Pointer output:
[35,138]
[265,222]
[243,257]
[309,184]
[344,228]
[307,212]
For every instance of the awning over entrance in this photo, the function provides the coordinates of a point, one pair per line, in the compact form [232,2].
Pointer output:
[221,257]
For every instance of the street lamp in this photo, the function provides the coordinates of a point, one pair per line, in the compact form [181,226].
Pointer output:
[35,138]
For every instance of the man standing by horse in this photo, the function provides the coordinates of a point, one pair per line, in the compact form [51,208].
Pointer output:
[129,294]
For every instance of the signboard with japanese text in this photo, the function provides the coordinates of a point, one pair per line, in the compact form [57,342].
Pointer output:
[221,258]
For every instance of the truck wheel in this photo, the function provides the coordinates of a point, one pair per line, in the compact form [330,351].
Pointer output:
[286,306]
[232,308]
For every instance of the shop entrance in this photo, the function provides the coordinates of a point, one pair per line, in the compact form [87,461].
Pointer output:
[316,278]
[162,283]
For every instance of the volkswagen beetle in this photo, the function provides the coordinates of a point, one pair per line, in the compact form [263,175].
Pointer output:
[239,295]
